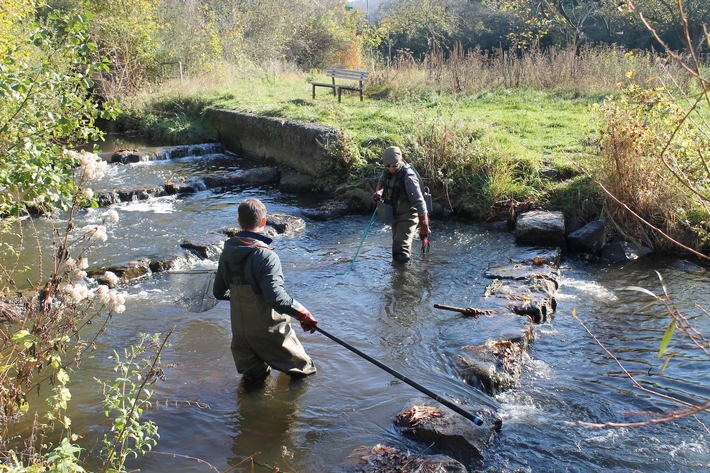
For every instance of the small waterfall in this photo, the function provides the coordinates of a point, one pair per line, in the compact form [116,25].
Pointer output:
[126,156]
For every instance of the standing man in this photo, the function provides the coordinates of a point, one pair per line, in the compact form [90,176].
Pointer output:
[399,186]
[262,337]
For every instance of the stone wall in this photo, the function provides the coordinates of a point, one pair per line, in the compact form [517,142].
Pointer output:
[303,147]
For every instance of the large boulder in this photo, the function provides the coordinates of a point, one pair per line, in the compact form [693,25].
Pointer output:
[449,433]
[589,239]
[542,228]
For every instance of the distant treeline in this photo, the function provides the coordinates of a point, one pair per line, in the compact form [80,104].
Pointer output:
[150,39]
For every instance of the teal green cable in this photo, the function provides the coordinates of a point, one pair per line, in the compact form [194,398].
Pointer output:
[367,230]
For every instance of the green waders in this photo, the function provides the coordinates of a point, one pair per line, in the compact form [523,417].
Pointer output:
[404,225]
[263,339]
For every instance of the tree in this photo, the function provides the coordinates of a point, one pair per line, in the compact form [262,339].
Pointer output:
[46,73]
[420,26]
[676,24]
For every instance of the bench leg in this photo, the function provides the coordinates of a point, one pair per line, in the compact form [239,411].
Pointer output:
[314,92]
[340,92]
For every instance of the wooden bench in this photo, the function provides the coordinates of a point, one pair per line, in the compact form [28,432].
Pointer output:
[347,74]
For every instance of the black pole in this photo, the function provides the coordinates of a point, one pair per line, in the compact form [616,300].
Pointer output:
[473,418]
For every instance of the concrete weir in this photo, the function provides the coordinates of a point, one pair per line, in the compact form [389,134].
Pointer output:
[302,150]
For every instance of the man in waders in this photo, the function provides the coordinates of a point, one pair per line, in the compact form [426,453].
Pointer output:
[260,308]
[400,187]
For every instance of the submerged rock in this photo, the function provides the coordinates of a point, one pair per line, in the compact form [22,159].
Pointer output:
[328,211]
[254,176]
[621,251]
[287,225]
[381,459]
[493,367]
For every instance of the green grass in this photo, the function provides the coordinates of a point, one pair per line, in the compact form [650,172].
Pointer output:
[502,136]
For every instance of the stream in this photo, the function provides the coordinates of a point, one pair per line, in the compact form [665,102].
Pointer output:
[203,412]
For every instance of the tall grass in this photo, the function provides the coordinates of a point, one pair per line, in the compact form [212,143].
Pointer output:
[653,162]
[585,71]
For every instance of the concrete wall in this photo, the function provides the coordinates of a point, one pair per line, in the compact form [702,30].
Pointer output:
[301,146]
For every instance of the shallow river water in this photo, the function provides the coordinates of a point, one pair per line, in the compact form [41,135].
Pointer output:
[387,312]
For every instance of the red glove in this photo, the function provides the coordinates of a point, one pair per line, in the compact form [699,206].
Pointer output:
[424,230]
[308,323]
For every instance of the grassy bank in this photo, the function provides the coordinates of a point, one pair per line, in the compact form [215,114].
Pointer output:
[479,153]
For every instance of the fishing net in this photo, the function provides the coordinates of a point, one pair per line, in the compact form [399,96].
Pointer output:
[194,289]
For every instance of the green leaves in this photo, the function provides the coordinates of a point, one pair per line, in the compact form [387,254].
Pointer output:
[44,84]
[24,338]
[124,401]
[666,338]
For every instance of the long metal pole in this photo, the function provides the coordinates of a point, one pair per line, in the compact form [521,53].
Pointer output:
[473,418]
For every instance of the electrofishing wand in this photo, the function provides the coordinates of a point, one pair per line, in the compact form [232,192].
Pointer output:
[473,418]
[367,230]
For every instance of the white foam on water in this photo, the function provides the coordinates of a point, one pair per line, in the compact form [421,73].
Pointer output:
[537,369]
[518,407]
[606,436]
[589,289]
[161,205]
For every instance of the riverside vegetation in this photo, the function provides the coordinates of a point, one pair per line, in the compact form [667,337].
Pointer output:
[594,130]
[491,134]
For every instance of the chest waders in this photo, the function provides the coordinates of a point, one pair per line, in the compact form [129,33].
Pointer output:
[405,218]
[262,338]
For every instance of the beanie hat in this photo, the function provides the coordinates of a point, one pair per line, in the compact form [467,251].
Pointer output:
[391,155]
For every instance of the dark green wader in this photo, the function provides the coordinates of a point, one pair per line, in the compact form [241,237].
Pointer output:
[404,225]
[263,338]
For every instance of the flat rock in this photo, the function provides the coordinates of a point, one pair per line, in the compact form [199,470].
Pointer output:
[207,246]
[328,211]
[621,251]
[534,298]
[126,271]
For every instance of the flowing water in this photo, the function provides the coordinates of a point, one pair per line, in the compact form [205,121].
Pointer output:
[387,312]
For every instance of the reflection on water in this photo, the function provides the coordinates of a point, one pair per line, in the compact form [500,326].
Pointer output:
[387,312]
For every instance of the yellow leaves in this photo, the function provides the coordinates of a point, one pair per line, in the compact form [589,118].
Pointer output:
[62,377]
[62,398]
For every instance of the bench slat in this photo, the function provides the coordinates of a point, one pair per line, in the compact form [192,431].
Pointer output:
[347,74]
